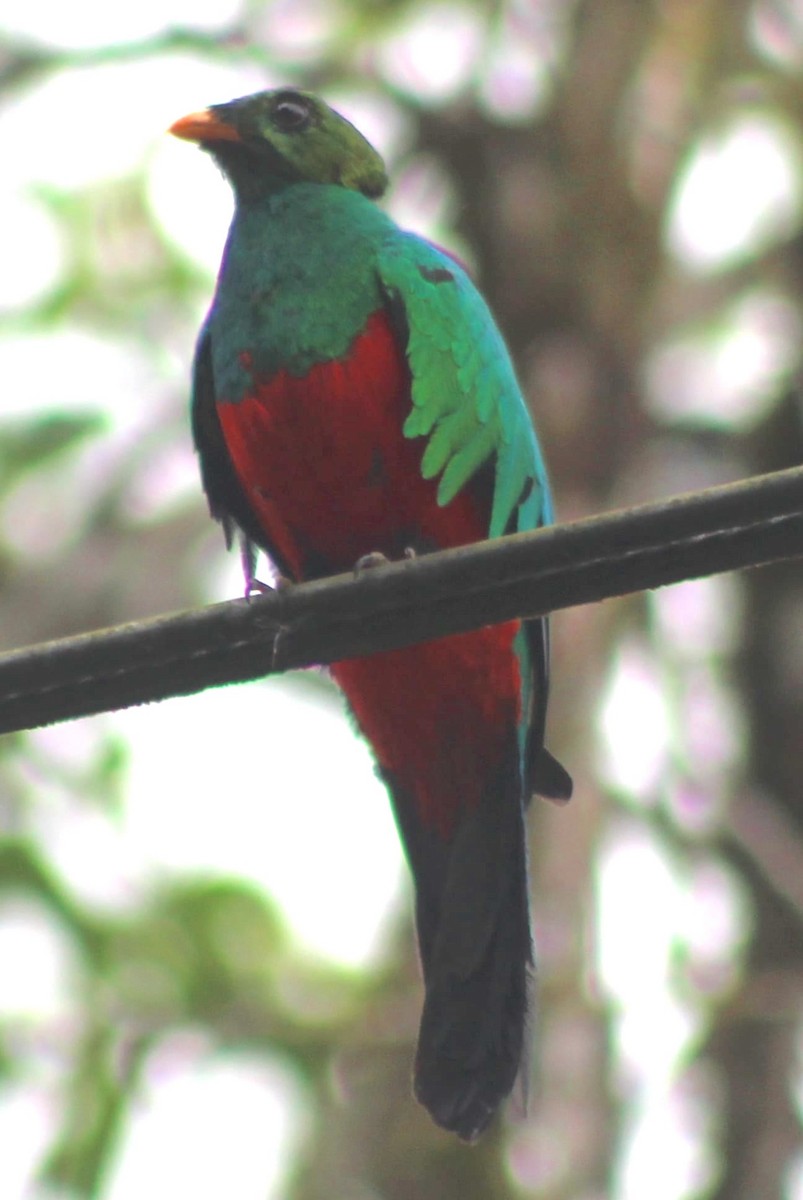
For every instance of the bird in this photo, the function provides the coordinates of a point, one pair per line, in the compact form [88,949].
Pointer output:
[353,401]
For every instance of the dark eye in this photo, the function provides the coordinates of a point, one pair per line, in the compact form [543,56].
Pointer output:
[291,114]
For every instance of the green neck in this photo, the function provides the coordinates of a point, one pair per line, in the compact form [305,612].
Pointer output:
[298,280]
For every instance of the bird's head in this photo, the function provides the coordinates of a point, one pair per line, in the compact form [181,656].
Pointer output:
[284,136]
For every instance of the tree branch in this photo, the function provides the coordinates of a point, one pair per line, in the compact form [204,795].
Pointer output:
[527,575]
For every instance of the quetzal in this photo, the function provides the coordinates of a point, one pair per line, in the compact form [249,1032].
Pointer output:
[353,396]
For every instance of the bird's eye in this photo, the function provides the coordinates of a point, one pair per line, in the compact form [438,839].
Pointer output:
[291,114]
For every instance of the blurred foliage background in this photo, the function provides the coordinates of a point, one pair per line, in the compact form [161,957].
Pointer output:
[626,179]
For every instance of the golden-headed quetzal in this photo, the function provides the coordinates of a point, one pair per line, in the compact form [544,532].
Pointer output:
[352,396]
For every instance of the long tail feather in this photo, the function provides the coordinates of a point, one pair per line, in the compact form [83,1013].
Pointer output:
[474,933]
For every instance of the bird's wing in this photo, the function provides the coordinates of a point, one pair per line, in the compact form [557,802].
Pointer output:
[466,399]
[467,402]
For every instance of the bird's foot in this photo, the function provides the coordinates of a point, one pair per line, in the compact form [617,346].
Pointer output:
[377,559]
[369,561]
[256,587]
[248,558]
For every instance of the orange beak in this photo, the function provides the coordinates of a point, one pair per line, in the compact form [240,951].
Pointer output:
[203,127]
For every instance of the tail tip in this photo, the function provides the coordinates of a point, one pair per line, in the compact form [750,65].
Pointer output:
[458,1100]
[465,1113]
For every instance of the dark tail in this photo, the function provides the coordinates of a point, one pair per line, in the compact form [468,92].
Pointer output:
[472,913]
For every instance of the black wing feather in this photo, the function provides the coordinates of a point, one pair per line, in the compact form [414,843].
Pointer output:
[228,503]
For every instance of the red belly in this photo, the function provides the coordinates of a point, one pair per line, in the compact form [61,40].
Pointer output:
[331,477]
[327,469]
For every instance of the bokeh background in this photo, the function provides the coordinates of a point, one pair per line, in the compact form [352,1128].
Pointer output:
[208,983]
